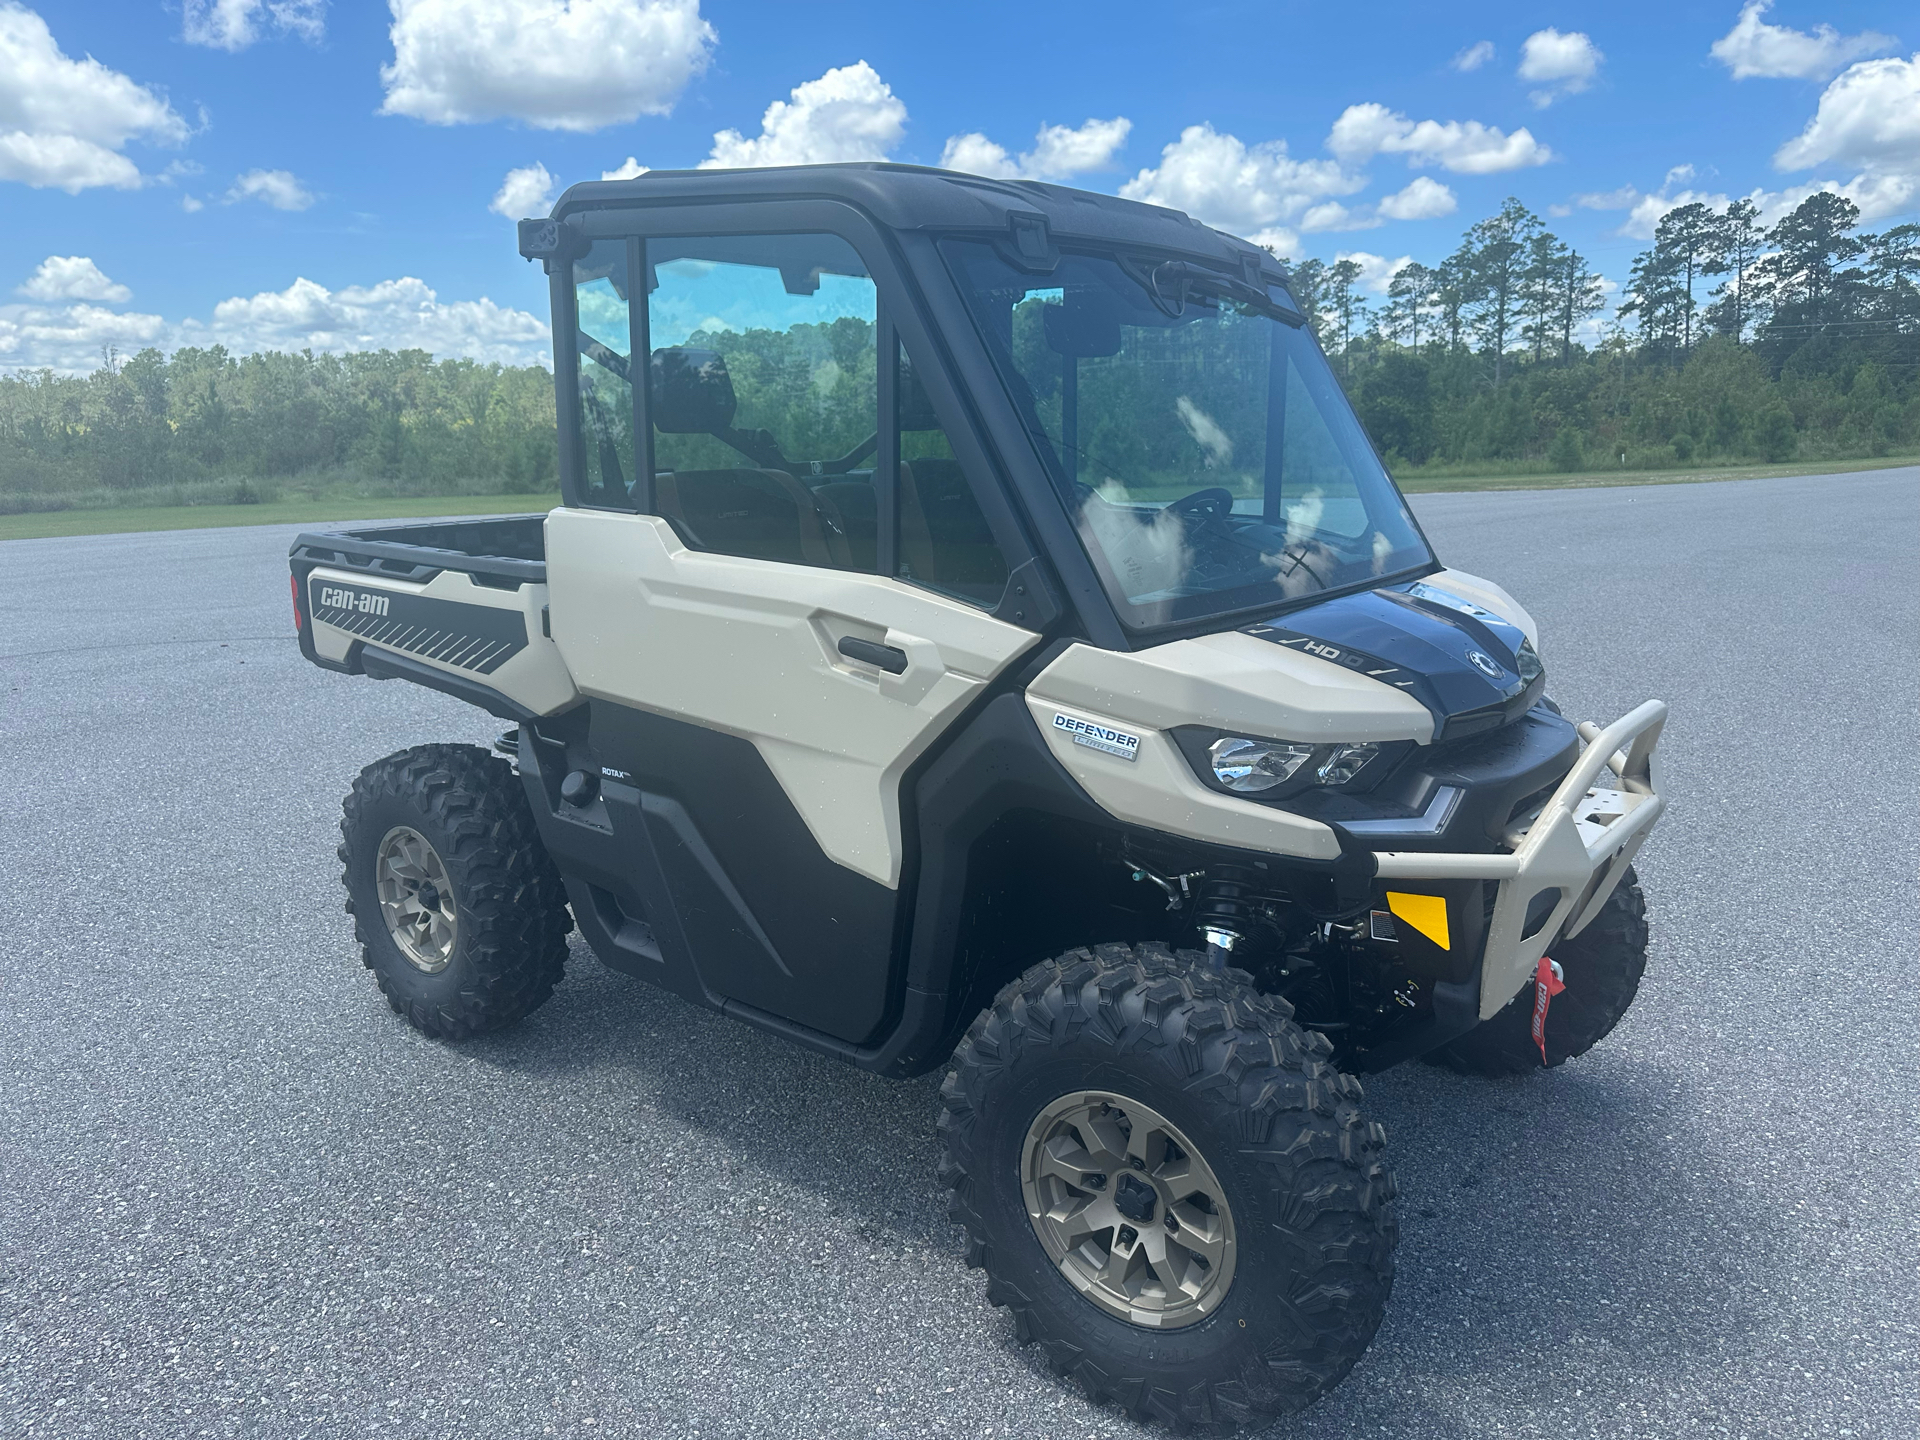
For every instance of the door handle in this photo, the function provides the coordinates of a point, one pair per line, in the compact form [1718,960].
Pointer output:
[868,652]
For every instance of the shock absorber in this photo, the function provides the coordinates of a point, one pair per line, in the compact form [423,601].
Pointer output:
[1224,913]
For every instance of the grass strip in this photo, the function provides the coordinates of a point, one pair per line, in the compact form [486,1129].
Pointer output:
[341,511]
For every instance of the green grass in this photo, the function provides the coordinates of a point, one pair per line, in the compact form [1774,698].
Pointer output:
[276,512]
[1416,483]
[338,510]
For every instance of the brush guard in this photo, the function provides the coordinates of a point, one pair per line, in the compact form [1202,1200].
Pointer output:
[1579,843]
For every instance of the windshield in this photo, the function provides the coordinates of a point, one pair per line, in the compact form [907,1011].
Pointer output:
[1194,429]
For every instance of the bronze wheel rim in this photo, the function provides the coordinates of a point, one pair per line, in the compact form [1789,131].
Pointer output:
[1128,1209]
[416,899]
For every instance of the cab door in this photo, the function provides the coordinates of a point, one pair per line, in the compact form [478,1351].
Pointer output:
[777,588]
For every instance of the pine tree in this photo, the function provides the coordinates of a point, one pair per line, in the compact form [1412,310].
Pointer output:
[1493,262]
[1806,279]
[1409,294]
[1737,242]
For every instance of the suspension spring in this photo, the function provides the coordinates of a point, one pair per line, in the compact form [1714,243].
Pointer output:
[1226,910]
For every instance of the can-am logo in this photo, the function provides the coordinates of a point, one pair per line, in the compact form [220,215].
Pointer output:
[1485,664]
[365,602]
[1099,737]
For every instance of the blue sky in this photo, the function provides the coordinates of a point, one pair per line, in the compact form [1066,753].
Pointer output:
[273,173]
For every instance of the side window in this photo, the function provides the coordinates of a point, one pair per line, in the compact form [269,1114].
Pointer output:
[763,396]
[606,386]
[945,541]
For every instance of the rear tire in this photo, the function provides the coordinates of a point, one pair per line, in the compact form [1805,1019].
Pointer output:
[1305,1195]
[1601,966]
[459,912]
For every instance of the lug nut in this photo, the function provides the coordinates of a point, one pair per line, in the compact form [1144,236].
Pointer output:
[1093,1182]
[1128,1237]
[1173,1223]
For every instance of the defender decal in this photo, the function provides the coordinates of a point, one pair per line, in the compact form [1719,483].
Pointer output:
[479,638]
[1099,737]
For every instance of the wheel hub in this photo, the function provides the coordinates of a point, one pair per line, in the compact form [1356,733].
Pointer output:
[1128,1209]
[1134,1198]
[416,899]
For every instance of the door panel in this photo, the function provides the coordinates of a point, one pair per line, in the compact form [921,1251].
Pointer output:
[760,914]
[751,648]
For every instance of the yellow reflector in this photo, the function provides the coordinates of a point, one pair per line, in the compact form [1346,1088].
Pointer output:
[1425,913]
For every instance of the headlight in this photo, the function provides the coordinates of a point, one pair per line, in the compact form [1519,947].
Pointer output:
[1527,663]
[1345,762]
[1252,765]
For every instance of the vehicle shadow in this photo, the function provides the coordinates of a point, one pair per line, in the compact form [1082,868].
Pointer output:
[1525,1204]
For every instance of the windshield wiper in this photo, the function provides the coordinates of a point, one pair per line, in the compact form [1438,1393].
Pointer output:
[1187,276]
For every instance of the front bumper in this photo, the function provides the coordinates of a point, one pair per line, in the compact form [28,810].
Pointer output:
[1578,844]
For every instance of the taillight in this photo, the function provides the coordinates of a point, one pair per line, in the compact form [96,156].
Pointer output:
[294,581]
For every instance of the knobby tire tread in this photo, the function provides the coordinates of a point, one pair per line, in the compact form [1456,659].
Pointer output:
[1269,1085]
[513,906]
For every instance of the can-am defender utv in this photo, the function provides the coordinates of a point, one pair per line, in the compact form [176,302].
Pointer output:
[977,632]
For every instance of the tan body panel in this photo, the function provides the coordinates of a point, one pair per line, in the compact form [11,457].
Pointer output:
[749,647]
[1233,681]
[1489,596]
[1158,789]
[536,677]
[1239,683]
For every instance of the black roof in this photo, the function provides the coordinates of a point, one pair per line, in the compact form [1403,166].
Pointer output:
[918,197]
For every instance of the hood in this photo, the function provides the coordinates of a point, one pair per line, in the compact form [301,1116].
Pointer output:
[1474,670]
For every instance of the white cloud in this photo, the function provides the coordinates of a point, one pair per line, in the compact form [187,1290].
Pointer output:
[1877,193]
[555,64]
[1059,152]
[189,204]
[64,122]
[1754,49]
[525,192]
[72,339]
[278,188]
[1332,215]
[1376,271]
[1424,199]
[1621,199]
[627,169]
[72,277]
[1280,240]
[975,154]
[236,24]
[1465,147]
[1474,56]
[1562,64]
[1869,117]
[1644,211]
[847,114]
[392,315]
[1259,191]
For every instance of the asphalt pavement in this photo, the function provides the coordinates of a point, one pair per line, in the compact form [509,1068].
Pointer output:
[238,1196]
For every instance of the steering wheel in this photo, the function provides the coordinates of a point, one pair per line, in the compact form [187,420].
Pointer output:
[1213,503]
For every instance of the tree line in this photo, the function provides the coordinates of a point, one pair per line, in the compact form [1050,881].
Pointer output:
[206,425]
[1732,340]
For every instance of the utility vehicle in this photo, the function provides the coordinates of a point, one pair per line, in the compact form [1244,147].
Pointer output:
[978,633]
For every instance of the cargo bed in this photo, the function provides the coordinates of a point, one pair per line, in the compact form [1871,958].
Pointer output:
[459,606]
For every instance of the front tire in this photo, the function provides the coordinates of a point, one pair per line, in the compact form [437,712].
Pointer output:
[1602,966]
[1248,1260]
[458,909]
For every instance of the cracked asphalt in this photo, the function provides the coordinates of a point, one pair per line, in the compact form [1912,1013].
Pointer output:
[239,1197]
